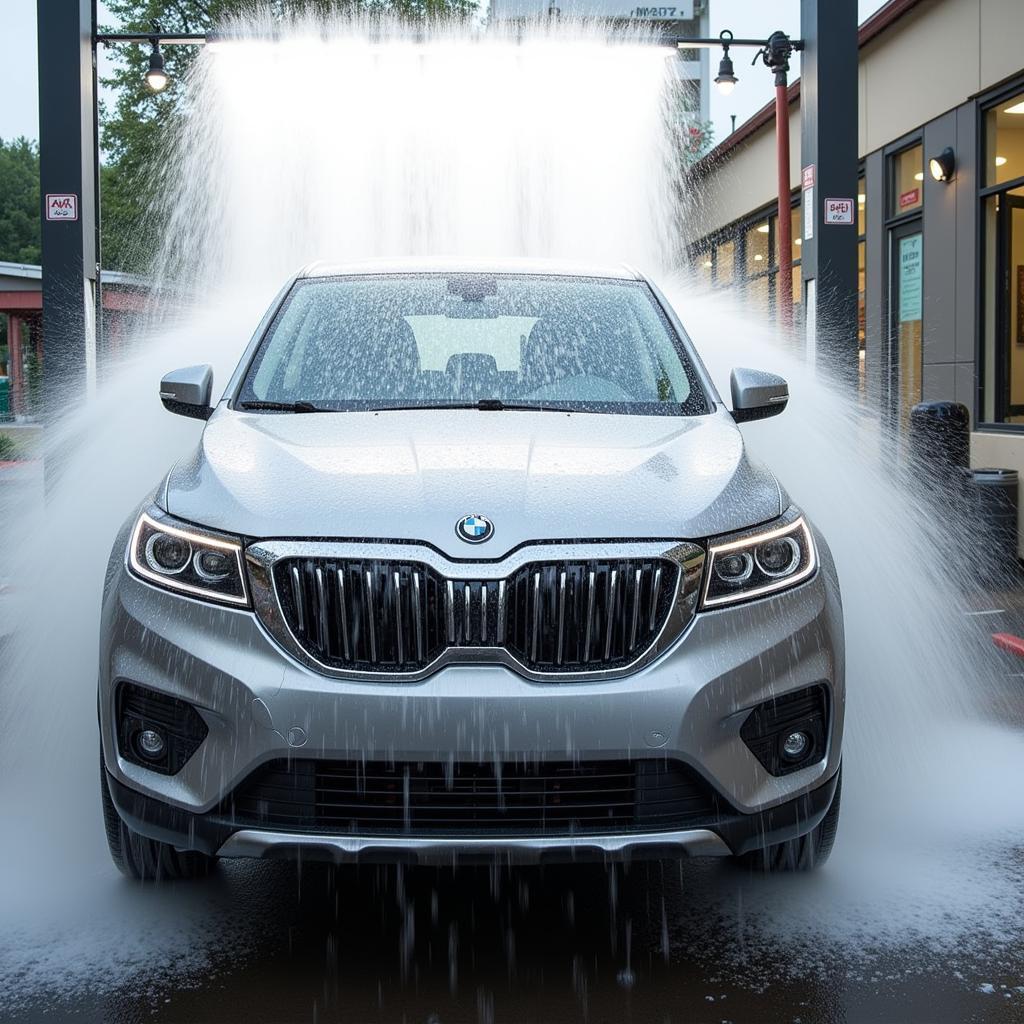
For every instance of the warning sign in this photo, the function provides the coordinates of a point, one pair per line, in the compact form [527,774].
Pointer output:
[61,206]
[839,211]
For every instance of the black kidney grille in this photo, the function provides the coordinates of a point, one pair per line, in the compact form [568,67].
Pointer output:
[372,615]
[465,798]
[575,615]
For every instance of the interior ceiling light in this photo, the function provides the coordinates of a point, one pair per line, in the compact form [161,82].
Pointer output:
[861,198]
[1017,108]
[763,228]
[943,165]
[919,176]
[1000,160]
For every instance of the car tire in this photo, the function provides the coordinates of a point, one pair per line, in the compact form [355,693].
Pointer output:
[804,853]
[143,859]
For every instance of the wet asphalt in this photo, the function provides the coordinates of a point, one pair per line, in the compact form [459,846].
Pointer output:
[559,945]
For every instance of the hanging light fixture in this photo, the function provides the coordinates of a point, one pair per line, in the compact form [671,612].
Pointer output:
[726,78]
[156,76]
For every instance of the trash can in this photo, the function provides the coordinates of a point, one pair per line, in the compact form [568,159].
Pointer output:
[940,437]
[991,503]
[5,397]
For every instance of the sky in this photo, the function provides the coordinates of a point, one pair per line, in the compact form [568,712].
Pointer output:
[19,103]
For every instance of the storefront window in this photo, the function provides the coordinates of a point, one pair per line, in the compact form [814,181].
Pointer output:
[757,248]
[702,265]
[1004,308]
[907,181]
[862,207]
[1004,141]
[907,316]
[759,295]
[725,262]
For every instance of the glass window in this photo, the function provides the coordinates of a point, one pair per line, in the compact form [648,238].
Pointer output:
[757,248]
[907,181]
[862,200]
[794,227]
[1004,308]
[1004,141]
[797,296]
[758,295]
[907,315]
[725,262]
[395,340]
[702,265]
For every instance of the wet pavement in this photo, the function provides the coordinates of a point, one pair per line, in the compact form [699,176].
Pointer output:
[554,945]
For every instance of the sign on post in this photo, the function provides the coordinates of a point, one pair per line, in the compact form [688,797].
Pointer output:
[839,211]
[807,203]
[61,206]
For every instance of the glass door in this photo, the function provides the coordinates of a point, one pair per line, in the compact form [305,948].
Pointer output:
[905,320]
[1010,309]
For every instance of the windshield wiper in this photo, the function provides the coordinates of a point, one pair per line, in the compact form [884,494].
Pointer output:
[284,406]
[497,405]
[483,404]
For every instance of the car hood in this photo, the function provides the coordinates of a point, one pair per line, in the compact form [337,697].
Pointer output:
[410,475]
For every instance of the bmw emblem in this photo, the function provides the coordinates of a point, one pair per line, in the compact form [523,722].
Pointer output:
[474,529]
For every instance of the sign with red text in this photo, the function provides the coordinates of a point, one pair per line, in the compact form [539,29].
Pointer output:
[61,206]
[808,176]
[910,198]
[839,211]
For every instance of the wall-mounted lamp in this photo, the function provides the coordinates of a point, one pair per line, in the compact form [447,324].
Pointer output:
[156,76]
[726,78]
[943,165]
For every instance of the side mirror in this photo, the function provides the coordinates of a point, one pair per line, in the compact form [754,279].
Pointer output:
[187,391]
[756,395]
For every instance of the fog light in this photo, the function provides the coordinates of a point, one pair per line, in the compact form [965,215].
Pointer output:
[795,745]
[150,744]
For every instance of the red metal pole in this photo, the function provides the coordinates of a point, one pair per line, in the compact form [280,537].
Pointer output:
[784,277]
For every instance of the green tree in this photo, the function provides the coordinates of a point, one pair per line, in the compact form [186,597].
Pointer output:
[133,125]
[19,201]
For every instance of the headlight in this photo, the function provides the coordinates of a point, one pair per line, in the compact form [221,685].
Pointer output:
[760,563]
[191,561]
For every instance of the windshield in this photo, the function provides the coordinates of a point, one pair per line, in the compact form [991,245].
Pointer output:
[387,341]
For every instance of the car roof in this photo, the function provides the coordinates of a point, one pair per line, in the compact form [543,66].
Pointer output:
[553,268]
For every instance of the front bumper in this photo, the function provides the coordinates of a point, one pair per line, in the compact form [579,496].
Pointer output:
[218,835]
[259,705]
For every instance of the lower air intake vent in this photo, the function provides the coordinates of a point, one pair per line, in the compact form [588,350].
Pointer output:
[467,798]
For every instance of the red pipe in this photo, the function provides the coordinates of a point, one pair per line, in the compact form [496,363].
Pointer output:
[784,277]
[1009,643]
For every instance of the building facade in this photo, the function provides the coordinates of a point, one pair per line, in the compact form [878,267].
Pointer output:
[22,350]
[940,214]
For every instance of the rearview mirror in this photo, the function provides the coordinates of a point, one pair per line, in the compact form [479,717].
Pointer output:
[187,391]
[756,395]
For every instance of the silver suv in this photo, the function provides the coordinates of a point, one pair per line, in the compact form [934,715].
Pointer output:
[470,563]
